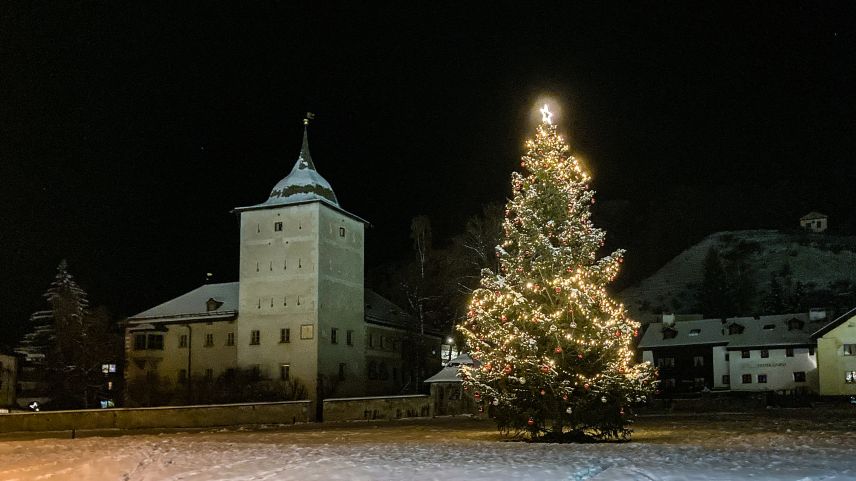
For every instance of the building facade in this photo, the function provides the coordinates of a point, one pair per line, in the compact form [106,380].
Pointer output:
[836,355]
[300,310]
[814,221]
[763,353]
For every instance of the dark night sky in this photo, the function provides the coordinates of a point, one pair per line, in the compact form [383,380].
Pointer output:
[129,130]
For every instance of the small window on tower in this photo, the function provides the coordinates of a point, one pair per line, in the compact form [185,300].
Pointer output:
[277,226]
[341,232]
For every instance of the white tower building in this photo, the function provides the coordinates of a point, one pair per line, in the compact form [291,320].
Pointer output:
[301,285]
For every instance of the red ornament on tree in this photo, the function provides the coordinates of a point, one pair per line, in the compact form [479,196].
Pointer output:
[586,386]
[543,392]
[530,422]
[507,369]
[558,289]
[558,349]
[545,368]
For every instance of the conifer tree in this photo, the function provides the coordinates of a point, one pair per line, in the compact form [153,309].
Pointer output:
[555,350]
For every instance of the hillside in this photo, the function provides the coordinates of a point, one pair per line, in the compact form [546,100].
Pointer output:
[824,265]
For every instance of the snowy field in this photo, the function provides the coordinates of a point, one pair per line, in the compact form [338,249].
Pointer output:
[780,446]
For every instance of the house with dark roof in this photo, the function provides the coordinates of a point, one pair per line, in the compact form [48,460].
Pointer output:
[761,353]
[299,310]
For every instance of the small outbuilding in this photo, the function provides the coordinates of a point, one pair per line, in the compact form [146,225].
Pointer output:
[447,391]
[814,221]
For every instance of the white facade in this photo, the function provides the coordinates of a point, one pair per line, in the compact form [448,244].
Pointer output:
[777,372]
[814,221]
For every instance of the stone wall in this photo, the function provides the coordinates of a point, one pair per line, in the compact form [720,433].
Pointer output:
[369,408]
[160,417]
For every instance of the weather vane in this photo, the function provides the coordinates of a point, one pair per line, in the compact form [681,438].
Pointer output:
[309,116]
[546,115]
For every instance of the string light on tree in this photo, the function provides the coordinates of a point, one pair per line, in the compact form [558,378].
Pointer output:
[564,344]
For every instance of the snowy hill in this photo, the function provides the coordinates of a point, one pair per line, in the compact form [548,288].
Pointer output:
[824,264]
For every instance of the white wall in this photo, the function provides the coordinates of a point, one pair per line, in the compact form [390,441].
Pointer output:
[778,367]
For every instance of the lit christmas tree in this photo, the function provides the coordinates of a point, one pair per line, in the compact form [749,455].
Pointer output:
[555,351]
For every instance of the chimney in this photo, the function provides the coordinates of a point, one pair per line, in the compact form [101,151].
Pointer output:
[816,314]
[668,320]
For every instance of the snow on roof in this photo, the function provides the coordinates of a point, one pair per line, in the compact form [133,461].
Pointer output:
[447,374]
[380,310]
[302,184]
[774,330]
[814,215]
[195,303]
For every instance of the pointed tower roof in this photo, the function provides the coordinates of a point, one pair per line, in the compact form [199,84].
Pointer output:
[303,183]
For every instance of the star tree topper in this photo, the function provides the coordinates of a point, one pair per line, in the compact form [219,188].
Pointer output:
[546,115]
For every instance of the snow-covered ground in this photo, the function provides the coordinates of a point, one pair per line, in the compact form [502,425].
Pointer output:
[733,447]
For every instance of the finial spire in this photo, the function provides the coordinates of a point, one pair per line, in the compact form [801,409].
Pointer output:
[305,160]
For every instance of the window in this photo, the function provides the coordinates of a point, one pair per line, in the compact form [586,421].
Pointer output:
[747,379]
[745,354]
[735,328]
[307,331]
[727,357]
[349,338]
[372,370]
[850,377]
[789,352]
[182,340]
[695,332]
[769,327]
[139,342]
[209,374]
[277,226]
[334,336]
[341,371]
[182,376]
[726,379]
[255,338]
[285,335]
[380,342]
[698,361]
[765,353]
[341,232]
[669,333]
[284,372]
[209,340]
[154,341]
[666,362]
[795,323]
[230,339]
[762,379]
[799,376]
[811,351]
[371,340]
[849,349]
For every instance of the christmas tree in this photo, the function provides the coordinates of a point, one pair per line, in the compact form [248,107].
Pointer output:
[554,349]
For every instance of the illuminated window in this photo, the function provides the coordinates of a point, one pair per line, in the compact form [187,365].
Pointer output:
[762,379]
[307,331]
[849,349]
[695,332]
[255,338]
[850,377]
[799,376]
